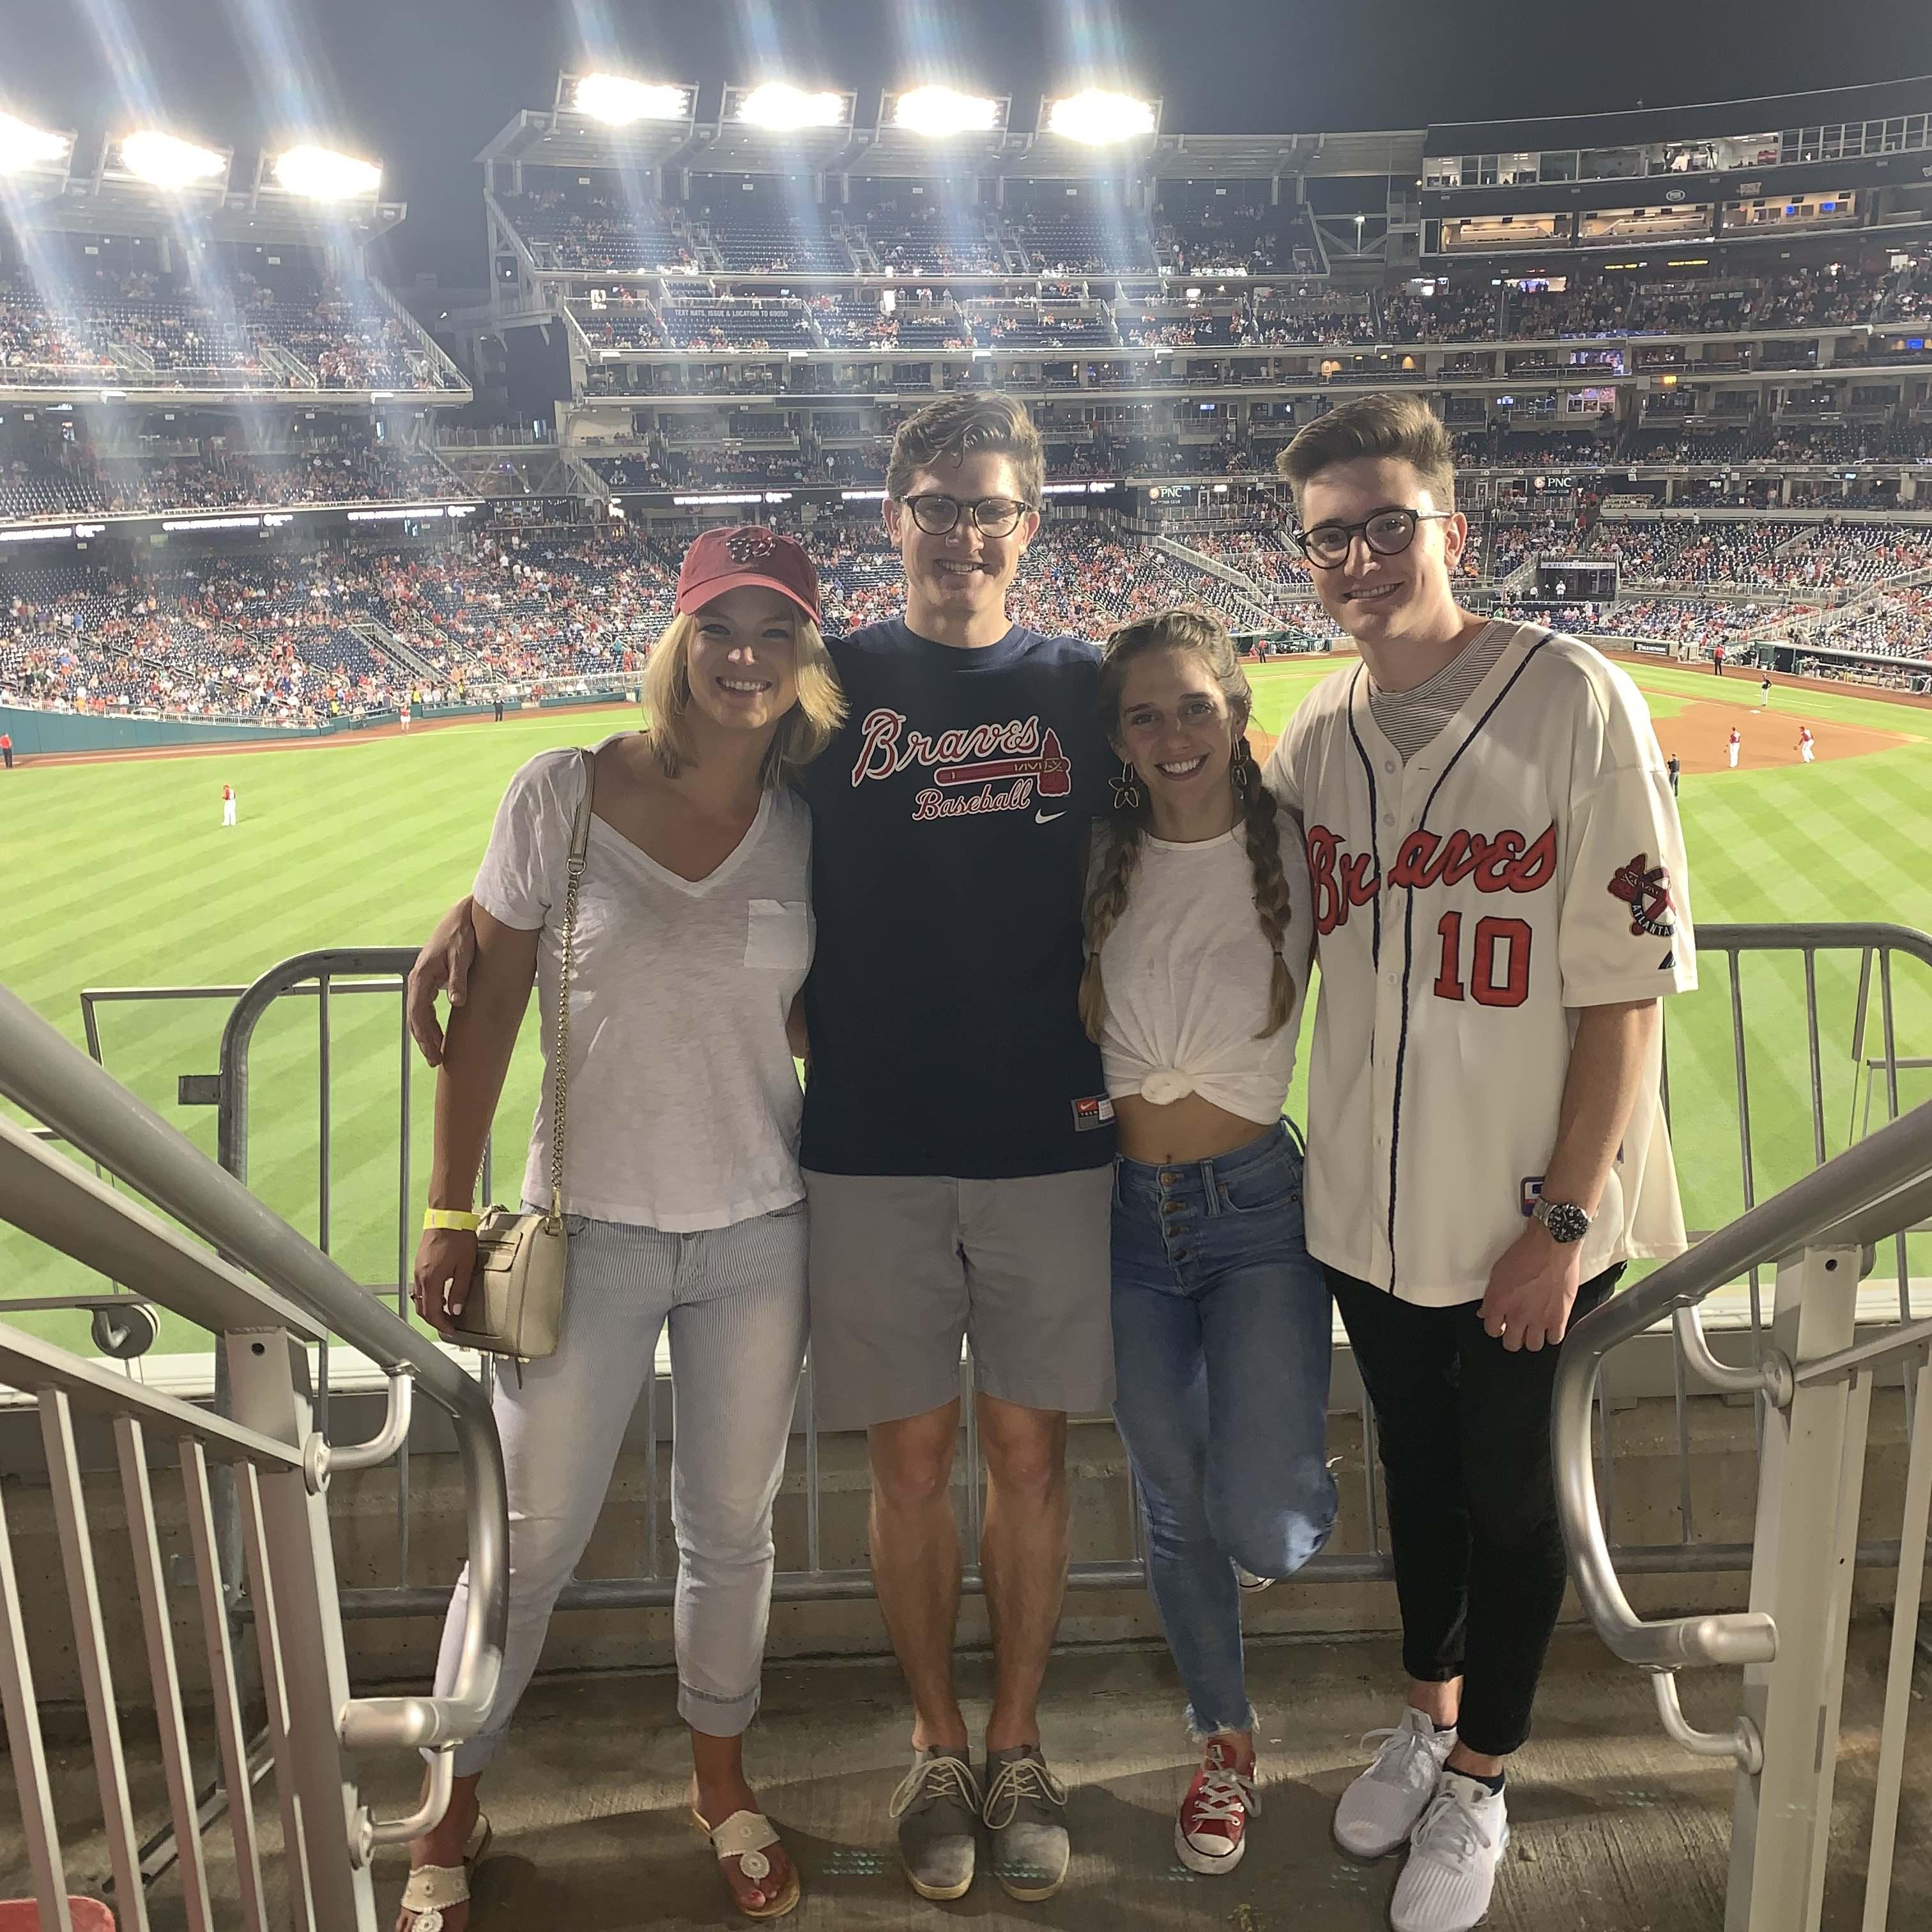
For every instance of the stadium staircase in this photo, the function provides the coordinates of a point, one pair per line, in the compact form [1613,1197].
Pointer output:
[136,364]
[1523,578]
[286,364]
[385,644]
[1227,572]
[1863,599]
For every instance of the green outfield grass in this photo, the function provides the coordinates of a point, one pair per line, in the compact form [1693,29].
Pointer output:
[121,874]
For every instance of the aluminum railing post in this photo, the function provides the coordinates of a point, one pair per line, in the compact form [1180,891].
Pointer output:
[269,1374]
[1806,1540]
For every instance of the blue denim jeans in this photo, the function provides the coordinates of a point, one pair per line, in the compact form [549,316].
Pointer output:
[1221,1349]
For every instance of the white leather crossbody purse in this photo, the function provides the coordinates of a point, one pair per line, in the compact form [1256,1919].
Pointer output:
[515,1302]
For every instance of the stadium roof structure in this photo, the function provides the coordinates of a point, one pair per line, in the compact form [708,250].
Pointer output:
[562,136]
[111,202]
[1633,127]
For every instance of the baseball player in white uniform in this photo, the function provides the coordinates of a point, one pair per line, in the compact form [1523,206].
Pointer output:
[228,805]
[1497,873]
[1808,745]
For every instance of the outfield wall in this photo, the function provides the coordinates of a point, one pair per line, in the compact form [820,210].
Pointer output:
[66,733]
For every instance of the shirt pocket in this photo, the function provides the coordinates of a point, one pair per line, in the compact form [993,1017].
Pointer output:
[777,935]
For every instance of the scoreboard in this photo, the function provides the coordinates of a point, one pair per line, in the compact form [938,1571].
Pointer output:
[1577,580]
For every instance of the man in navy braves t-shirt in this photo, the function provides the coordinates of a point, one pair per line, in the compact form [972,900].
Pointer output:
[957,1141]
[949,815]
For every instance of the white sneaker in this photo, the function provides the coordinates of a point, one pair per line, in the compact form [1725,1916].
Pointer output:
[1451,1871]
[1379,1809]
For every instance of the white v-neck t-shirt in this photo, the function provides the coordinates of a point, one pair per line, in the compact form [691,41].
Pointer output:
[683,1099]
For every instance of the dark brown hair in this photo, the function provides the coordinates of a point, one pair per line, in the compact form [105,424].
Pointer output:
[961,426]
[1206,636]
[1398,426]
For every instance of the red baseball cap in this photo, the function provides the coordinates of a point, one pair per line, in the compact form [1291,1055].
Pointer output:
[720,560]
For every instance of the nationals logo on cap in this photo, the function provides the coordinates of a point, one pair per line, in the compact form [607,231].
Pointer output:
[722,560]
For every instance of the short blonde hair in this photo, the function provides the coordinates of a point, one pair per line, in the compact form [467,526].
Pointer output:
[1403,426]
[804,731]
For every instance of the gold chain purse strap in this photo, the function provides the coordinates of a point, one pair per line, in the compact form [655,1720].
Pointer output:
[579,844]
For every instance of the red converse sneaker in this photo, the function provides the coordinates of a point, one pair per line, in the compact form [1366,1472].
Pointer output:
[1210,1835]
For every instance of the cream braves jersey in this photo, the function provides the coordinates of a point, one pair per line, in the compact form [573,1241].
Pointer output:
[1526,862]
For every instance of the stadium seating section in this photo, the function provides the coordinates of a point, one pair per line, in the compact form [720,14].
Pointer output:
[34,484]
[133,333]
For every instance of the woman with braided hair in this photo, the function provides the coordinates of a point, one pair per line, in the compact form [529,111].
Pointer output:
[1198,937]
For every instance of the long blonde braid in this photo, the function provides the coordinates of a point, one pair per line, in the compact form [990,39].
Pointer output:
[1185,629]
[1105,905]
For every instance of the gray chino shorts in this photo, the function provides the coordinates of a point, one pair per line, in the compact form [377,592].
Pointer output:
[901,1268]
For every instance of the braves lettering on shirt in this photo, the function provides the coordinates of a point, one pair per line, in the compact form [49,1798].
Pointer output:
[1525,864]
[949,818]
[1495,862]
[1019,756]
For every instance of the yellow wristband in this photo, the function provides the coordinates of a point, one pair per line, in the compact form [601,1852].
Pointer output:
[451,1217]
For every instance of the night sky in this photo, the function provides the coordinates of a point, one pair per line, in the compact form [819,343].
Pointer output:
[423,84]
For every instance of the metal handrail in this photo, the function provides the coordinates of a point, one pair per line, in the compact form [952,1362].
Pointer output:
[1847,1198]
[60,1085]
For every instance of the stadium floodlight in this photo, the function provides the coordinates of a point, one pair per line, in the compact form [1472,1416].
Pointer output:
[23,146]
[320,174]
[1097,117]
[618,100]
[938,112]
[168,161]
[782,108]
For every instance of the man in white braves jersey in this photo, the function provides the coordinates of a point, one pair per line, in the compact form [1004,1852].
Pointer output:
[1498,880]
[1807,748]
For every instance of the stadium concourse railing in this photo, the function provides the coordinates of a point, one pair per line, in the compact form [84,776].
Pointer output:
[265,1294]
[380,971]
[1814,1379]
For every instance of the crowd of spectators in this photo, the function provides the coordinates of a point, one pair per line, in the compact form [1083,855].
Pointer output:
[577,231]
[277,637]
[1807,298]
[1766,554]
[214,334]
[80,482]
[1896,624]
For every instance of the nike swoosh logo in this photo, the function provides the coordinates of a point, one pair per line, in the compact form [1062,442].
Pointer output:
[1047,817]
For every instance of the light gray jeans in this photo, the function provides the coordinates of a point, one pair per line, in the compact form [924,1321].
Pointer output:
[734,1298]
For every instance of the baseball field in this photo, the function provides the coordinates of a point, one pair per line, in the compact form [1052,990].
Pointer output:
[120,873]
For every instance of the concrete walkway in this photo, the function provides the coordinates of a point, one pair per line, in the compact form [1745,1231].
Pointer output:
[1615,1829]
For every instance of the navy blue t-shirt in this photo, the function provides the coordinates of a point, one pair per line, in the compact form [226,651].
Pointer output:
[949,816]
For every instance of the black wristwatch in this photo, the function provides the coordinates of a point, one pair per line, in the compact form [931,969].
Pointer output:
[1564,1221]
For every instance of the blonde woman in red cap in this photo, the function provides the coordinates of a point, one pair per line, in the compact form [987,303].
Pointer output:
[680,1191]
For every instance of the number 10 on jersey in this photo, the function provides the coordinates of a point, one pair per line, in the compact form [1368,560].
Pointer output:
[1498,961]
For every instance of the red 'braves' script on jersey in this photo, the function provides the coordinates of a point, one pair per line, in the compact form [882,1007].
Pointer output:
[1497,862]
[1016,753]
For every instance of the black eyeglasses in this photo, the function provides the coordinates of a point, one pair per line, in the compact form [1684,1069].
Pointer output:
[991,516]
[1388,533]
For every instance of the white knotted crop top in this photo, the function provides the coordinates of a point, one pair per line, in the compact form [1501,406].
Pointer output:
[1187,969]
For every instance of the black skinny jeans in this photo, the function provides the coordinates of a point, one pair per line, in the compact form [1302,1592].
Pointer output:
[1464,1426]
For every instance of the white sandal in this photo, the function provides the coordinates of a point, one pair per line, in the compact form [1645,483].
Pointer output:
[433,1889]
[744,1836]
